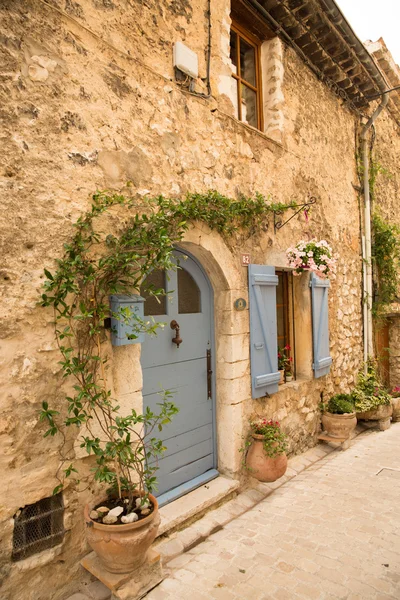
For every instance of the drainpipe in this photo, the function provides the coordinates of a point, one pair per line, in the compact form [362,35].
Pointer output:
[367,291]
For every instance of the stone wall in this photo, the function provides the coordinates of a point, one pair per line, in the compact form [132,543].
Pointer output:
[89,101]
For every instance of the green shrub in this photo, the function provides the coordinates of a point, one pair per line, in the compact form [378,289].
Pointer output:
[369,392]
[341,404]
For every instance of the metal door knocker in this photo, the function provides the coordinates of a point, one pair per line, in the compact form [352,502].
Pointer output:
[177,339]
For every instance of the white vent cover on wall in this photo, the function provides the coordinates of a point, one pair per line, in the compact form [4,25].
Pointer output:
[186,60]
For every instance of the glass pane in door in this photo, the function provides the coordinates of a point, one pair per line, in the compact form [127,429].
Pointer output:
[188,293]
[154,305]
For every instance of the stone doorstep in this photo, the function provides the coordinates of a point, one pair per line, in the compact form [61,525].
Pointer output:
[196,503]
[137,583]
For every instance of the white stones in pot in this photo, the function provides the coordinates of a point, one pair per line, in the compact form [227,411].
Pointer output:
[131,518]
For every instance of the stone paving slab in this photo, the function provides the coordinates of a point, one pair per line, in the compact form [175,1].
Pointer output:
[330,532]
[182,541]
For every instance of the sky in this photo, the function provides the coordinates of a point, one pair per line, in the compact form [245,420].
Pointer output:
[372,19]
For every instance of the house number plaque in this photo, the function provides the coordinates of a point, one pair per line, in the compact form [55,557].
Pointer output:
[240,304]
[245,260]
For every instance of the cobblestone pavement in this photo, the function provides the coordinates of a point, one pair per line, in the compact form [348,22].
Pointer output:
[331,532]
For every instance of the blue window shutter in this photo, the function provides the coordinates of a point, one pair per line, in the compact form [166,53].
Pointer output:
[263,332]
[319,299]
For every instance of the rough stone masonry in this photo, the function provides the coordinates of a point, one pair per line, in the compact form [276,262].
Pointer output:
[89,101]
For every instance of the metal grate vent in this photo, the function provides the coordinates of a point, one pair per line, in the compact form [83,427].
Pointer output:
[38,526]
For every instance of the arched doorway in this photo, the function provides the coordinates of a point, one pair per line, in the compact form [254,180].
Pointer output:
[186,370]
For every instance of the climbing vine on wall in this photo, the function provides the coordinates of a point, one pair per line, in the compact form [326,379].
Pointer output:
[385,250]
[96,265]
[386,259]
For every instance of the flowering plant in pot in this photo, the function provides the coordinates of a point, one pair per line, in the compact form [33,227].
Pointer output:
[371,399]
[339,416]
[284,362]
[315,256]
[266,450]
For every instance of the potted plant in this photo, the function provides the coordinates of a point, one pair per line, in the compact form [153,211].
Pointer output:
[339,417]
[124,523]
[396,403]
[288,376]
[372,401]
[266,455]
[316,256]
[284,363]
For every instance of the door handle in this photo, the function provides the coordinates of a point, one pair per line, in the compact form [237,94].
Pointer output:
[209,374]
[177,339]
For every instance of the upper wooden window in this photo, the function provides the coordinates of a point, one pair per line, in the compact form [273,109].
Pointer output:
[245,57]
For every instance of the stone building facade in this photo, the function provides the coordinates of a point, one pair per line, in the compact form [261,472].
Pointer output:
[90,100]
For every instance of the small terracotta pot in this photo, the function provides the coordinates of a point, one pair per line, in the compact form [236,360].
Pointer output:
[382,412]
[282,379]
[396,410]
[263,467]
[123,548]
[339,426]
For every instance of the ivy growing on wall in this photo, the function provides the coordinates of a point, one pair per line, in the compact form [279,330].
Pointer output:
[385,246]
[96,265]
[386,259]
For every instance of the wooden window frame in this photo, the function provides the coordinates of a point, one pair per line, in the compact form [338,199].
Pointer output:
[288,316]
[256,44]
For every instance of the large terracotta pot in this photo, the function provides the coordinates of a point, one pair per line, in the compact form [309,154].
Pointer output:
[263,467]
[382,412]
[123,548]
[339,426]
[396,409]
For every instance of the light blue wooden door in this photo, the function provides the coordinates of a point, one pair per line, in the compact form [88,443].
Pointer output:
[190,438]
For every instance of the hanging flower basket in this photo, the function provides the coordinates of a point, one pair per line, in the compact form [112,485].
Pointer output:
[312,256]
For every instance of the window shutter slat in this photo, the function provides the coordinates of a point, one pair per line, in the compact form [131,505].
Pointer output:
[263,330]
[320,321]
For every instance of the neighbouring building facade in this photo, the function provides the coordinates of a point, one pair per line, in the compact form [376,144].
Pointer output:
[90,100]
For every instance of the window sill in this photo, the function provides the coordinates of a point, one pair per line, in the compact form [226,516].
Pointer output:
[293,385]
[251,129]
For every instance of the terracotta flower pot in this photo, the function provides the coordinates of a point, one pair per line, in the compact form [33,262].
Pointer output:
[396,410]
[263,467]
[339,426]
[282,379]
[123,548]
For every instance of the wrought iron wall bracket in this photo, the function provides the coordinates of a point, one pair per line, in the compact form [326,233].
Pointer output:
[278,221]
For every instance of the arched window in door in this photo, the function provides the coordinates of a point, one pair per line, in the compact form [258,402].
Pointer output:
[154,305]
[189,298]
